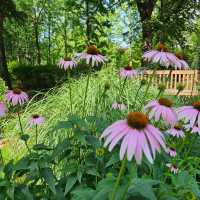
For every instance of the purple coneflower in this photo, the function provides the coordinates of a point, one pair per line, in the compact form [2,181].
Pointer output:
[67,63]
[162,57]
[128,72]
[119,106]
[183,63]
[171,152]
[92,56]
[3,109]
[36,120]
[194,129]
[162,108]
[176,131]
[137,135]
[173,168]
[16,96]
[190,113]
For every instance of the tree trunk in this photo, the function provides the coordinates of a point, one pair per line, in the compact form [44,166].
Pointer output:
[49,40]
[65,34]
[37,43]
[145,9]
[88,24]
[3,63]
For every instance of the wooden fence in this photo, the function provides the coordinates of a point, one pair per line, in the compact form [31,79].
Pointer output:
[189,78]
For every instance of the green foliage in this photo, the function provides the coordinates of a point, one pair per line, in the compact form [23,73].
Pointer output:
[37,77]
[3,89]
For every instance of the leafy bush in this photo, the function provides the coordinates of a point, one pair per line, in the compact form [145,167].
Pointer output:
[3,89]
[45,76]
[37,77]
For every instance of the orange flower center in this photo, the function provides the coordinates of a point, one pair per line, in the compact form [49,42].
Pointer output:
[92,49]
[161,47]
[174,166]
[196,105]
[177,127]
[67,59]
[172,149]
[179,56]
[165,102]
[129,68]
[17,91]
[137,120]
[35,116]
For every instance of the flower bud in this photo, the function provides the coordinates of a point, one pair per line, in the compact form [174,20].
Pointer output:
[143,82]
[161,87]
[180,87]
[100,152]
[107,86]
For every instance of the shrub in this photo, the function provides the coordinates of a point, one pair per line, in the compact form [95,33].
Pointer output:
[2,88]
[44,76]
[37,77]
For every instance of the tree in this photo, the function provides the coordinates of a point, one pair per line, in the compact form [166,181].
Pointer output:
[7,10]
[145,8]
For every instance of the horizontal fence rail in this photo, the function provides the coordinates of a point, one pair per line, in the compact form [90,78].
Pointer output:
[188,78]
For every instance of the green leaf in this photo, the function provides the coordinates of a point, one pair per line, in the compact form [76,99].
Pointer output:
[70,183]
[63,125]
[185,182]
[144,188]
[92,171]
[79,175]
[114,159]
[83,194]
[10,192]
[81,137]
[22,164]
[48,176]
[25,137]
[39,147]
[103,194]
[61,147]
[8,169]
[93,141]
[104,188]
[26,193]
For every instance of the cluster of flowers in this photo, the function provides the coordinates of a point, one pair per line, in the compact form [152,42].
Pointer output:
[91,56]
[17,97]
[139,136]
[165,58]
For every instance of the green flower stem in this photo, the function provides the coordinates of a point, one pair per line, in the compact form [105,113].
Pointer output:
[101,99]
[159,93]
[136,96]
[132,175]
[70,89]
[122,89]
[22,132]
[169,75]
[178,92]
[85,96]
[148,86]
[121,172]
[36,134]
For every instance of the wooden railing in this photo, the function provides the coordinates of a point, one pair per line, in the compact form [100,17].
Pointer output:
[189,78]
